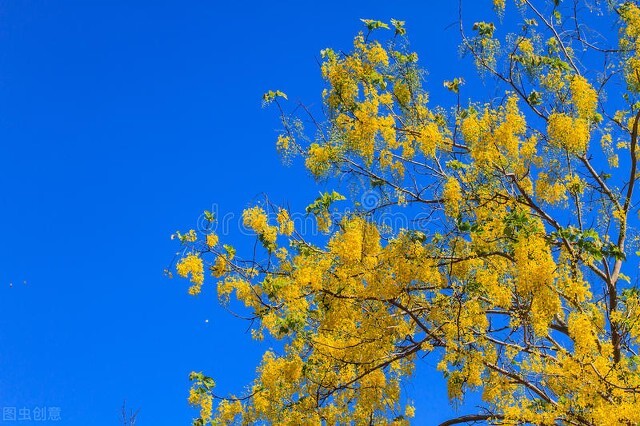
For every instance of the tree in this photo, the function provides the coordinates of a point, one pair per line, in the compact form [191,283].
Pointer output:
[512,276]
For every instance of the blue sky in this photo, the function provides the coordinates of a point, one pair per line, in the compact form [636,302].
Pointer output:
[120,122]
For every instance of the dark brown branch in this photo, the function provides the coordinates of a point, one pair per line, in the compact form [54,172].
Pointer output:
[472,418]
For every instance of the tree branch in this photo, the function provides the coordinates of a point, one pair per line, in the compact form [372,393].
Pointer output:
[472,418]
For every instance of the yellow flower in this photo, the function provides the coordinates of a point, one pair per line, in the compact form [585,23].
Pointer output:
[220,266]
[584,97]
[255,218]
[570,133]
[525,46]
[284,222]
[318,160]
[430,139]
[582,333]
[283,143]
[402,92]
[452,195]
[410,411]
[377,55]
[550,191]
[212,240]
[574,184]
[204,401]
[192,265]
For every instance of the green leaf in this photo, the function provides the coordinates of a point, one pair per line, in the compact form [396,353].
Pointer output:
[230,250]
[376,183]
[324,201]
[328,53]
[399,26]
[454,85]
[271,96]
[195,376]
[417,236]
[484,29]
[464,226]
[612,250]
[374,25]
[456,165]
[534,98]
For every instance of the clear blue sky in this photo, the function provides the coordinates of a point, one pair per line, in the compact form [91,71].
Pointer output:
[120,122]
